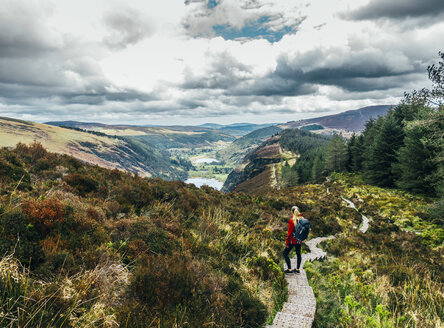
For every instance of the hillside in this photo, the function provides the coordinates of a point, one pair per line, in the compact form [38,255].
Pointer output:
[234,153]
[102,150]
[351,121]
[389,276]
[275,163]
[236,129]
[88,246]
[164,137]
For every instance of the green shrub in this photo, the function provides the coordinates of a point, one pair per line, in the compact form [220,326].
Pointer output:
[82,183]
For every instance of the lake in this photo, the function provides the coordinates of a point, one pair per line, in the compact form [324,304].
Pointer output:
[204,181]
[205,160]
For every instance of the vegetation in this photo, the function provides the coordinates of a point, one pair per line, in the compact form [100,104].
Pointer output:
[235,152]
[86,246]
[310,165]
[387,277]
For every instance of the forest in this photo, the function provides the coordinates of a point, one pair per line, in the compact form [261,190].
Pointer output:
[403,150]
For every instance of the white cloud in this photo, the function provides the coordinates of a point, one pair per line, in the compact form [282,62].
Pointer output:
[136,62]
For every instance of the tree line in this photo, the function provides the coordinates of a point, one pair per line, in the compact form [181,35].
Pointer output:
[403,149]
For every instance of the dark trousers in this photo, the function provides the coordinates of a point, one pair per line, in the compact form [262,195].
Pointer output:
[298,253]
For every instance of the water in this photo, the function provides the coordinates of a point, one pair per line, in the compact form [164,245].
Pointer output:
[199,182]
[205,160]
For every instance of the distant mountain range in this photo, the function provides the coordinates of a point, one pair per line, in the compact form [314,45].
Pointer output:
[255,171]
[147,150]
[237,129]
[350,121]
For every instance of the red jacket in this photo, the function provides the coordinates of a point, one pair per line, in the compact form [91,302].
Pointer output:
[290,239]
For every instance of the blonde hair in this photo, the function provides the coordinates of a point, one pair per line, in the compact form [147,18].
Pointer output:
[294,212]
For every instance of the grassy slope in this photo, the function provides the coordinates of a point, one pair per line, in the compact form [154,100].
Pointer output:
[388,277]
[162,137]
[109,248]
[106,247]
[94,149]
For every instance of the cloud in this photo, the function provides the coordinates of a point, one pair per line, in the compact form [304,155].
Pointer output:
[22,33]
[258,59]
[240,20]
[126,27]
[40,65]
[398,10]
[224,71]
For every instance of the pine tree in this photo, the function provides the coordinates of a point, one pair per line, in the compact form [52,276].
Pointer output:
[336,154]
[381,154]
[357,153]
[290,176]
[350,144]
[416,163]
[318,168]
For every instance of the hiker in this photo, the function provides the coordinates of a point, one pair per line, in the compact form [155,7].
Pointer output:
[291,240]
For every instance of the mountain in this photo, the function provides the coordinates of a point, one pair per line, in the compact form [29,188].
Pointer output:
[237,129]
[269,165]
[162,137]
[351,121]
[94,148]
[235,152]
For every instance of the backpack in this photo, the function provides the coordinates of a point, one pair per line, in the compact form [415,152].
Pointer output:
[301,230]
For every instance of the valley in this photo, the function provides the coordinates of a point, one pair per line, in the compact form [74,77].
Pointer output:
[72,219]
[222,164]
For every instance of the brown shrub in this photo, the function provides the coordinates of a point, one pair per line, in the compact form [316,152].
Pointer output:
[31,153]
[44,214]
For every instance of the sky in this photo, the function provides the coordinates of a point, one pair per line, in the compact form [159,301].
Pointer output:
[220,61]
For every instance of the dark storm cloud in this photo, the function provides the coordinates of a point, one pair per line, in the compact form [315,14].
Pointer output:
[353,71]
[274,85]
[39,65]
[348,69]
[398,9]
[235,78]
[126,27]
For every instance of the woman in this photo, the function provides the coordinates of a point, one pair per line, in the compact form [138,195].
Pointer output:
[291,241]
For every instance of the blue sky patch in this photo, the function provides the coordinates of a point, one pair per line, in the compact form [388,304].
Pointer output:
[253,30]
[212,4]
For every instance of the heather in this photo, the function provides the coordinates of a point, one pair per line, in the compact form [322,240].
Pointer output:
[87,246]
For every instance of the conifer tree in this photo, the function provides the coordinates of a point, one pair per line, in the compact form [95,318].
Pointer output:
[416,163]
[350,145]
[318,167]
[381,154]
[357,154]
[336,154]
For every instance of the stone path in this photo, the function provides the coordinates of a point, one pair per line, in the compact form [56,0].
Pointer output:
[274,181]
[365,220]
[299,310]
